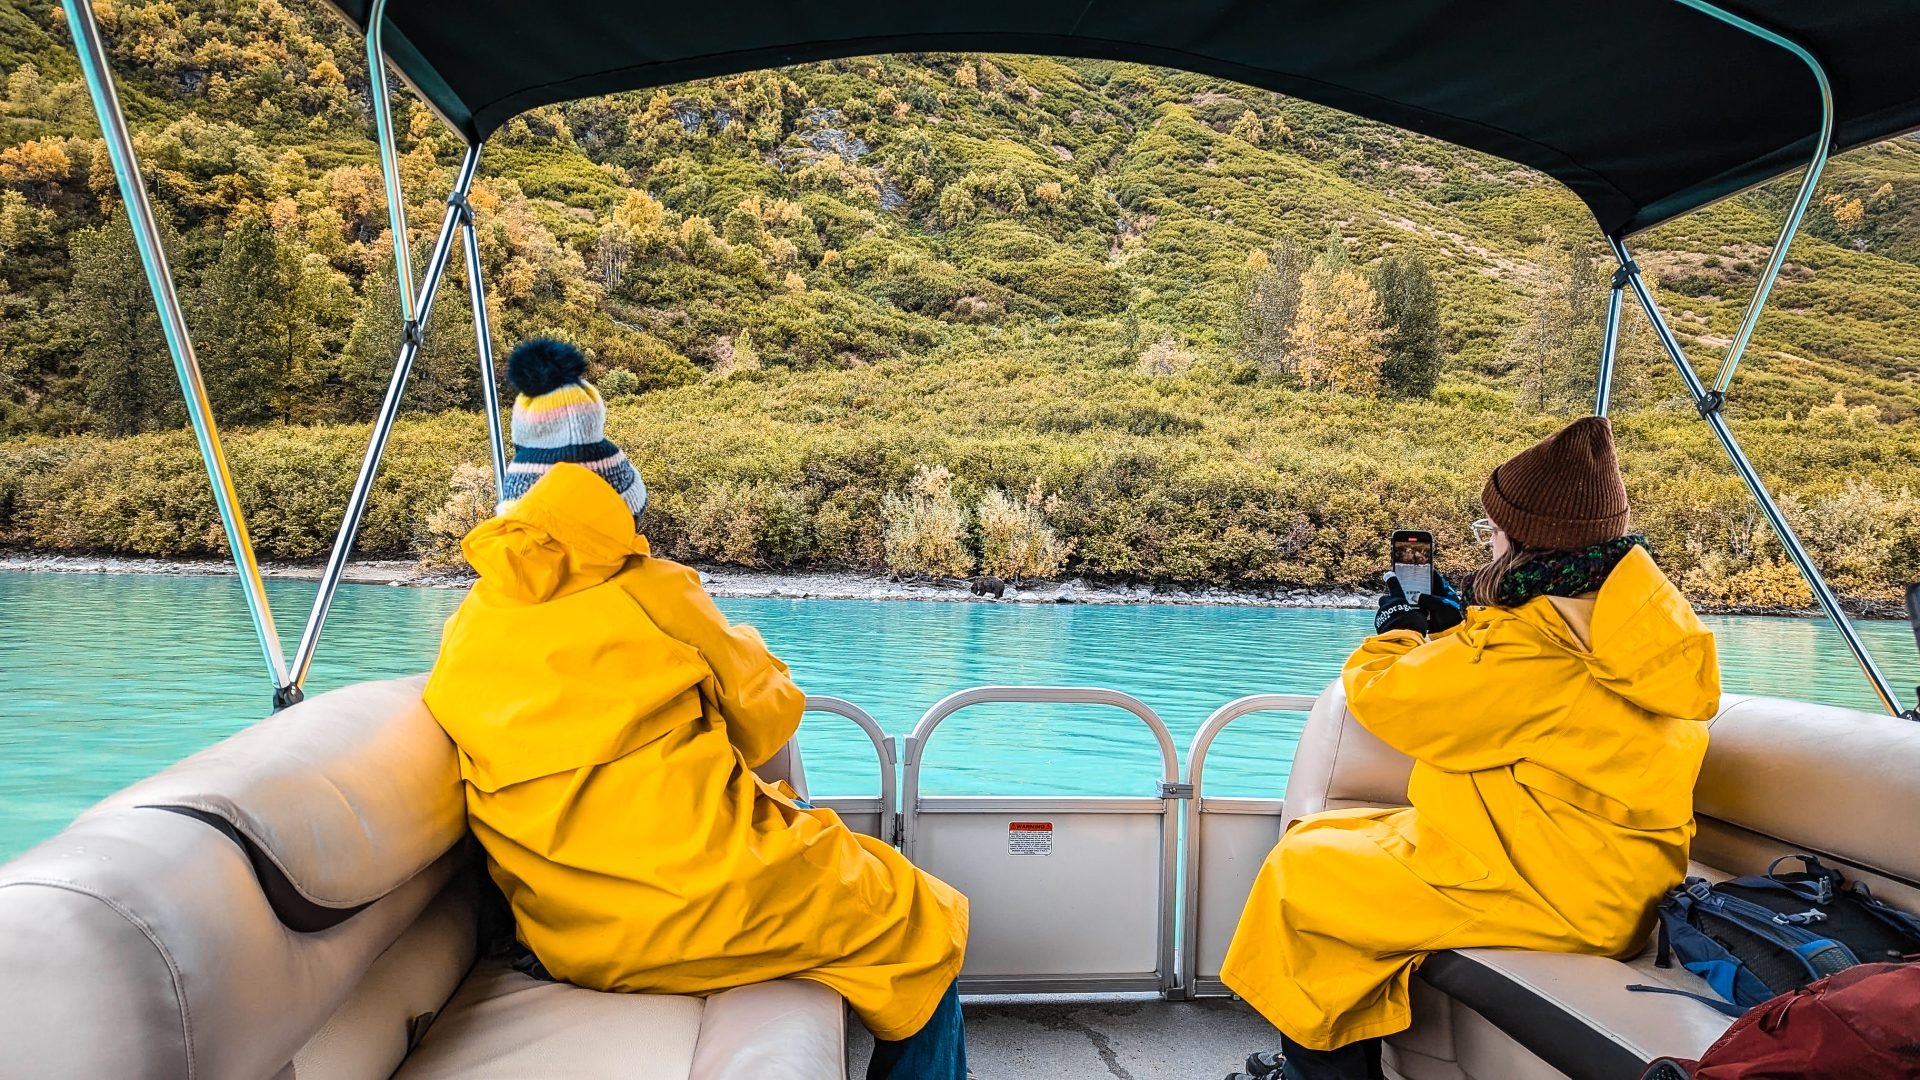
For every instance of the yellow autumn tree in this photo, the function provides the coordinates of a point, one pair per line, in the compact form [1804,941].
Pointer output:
[1249,128]
[1336,339]
[1849,214]
[37,163]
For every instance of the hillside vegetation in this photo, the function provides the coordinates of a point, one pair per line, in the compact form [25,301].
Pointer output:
[932,314]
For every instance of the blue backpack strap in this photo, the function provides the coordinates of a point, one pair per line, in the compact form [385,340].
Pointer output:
[1725,1008]
[1820,888]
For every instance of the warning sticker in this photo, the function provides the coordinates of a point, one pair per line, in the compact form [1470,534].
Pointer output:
[1029,837]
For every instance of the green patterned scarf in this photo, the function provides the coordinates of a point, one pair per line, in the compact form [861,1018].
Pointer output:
[1564,573]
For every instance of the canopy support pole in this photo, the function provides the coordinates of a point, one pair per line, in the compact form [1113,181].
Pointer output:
[1709,403]
[390,164]
[98,72]
[1609,347]
[1735,350]
[382,425]
[483,336]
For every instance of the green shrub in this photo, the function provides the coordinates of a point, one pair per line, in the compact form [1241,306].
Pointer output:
[618,382]
[927,527]
[1015,540]
[470,501]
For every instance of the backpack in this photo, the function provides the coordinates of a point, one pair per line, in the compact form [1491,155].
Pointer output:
[1857,1025]
[1758,936]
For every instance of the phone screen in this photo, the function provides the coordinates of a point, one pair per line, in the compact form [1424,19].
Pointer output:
[1413,560]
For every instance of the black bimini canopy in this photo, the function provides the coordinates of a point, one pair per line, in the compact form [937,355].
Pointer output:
[1646,109]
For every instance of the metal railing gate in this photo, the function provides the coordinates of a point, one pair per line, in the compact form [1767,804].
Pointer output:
[1227,839]
[877,816]
[1069,894]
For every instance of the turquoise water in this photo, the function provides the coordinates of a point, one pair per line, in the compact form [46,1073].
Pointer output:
[103,680]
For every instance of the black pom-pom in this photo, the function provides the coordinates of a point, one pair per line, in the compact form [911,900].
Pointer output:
[543,365]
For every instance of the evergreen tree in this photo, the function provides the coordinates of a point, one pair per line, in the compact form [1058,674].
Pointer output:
[446,374]
[1334,257]
[1410,312]
[317,315]
[366,364]
[240,324]
[124,365]
[1558,347]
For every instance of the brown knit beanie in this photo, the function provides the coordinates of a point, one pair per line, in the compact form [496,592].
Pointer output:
[1563,492]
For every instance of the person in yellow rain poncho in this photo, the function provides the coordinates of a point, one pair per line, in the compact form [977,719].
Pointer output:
[1557,728]
[609,721]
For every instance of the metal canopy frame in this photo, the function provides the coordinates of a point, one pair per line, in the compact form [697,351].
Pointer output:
[1711,402]
[417,305]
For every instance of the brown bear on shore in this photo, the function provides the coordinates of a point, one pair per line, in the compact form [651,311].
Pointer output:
[987,585]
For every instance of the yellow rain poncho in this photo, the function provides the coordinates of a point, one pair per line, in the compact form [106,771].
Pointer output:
[1556,746]
[609,721]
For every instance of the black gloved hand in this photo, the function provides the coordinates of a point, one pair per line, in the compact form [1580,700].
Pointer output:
[1397,612]
[1443,608]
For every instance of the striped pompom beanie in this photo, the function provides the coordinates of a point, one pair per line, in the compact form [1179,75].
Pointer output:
[559,416]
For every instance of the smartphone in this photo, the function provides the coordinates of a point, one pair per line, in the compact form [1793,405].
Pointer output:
[1413,560]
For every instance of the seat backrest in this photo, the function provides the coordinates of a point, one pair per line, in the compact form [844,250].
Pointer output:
[1786,776]
[1340,764]
[1780,776]
[206,922]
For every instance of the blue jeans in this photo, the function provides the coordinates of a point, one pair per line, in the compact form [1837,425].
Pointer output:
[938,1051]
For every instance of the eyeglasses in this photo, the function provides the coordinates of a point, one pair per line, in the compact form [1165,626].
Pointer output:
[1483,531]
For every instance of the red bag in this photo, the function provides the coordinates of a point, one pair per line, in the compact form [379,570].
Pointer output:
[1861,1024]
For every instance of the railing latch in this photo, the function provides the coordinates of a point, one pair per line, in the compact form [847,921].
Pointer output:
[1175,791]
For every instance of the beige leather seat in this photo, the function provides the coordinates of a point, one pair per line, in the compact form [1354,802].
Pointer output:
[302,901]
[1780,777]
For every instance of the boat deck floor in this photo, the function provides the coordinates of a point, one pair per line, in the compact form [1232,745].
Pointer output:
[1126,1037]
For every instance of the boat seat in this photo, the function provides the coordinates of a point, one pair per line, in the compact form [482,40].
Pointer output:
[503,1025]
[1780,777]
[302,901]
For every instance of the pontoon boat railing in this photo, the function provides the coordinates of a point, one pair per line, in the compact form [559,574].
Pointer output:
[1198,978]
[1113,838]
[885,806]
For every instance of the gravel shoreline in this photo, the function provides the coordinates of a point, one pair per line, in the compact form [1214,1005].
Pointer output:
[739,582]
[731,581]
